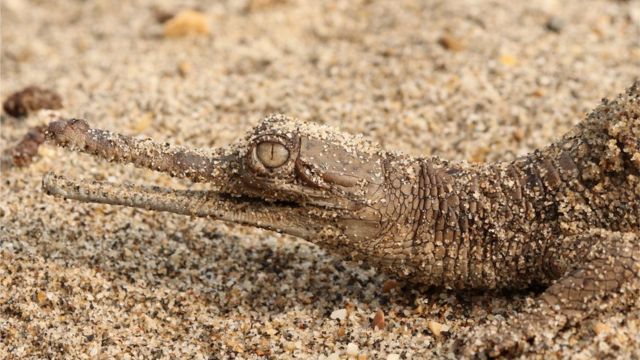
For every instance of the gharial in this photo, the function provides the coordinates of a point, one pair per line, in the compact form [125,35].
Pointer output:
[566,216]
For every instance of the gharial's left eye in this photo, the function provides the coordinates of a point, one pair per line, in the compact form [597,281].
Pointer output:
[272,154]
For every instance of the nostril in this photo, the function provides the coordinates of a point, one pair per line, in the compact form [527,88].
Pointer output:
[60,127]
[67,132]
[55,128]
[78,124]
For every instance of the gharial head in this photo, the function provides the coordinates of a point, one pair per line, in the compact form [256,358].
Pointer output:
[308,164]
[303,179]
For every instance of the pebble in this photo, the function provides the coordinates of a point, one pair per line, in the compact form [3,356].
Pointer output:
[437,328]
[184,69]
[602,328]
[352,350]
[389,285]
[378,320]
[186,22]
[393,357]
[508,60]
[340,314]
[41,297]
[451,42]
[555,24]
[162,15]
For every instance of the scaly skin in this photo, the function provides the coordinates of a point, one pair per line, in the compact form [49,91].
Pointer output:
[566,216]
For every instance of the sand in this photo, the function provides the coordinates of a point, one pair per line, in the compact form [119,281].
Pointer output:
[473,80]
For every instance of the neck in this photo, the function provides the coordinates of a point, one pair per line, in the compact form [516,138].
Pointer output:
[489,226]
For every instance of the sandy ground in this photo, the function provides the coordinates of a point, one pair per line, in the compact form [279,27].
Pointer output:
[471,79]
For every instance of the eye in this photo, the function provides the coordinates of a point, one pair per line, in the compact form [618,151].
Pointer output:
[272,154]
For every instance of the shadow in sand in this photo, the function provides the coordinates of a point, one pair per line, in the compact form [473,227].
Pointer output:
[258,270]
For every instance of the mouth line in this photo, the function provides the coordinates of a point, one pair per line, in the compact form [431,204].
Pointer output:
[117,193]
[252,200]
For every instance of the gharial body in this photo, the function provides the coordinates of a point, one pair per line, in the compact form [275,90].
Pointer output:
[566,216]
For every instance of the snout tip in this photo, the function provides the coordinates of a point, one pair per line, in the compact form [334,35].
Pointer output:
[63,130]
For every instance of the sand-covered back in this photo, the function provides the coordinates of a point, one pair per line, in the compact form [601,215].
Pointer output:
[468,80]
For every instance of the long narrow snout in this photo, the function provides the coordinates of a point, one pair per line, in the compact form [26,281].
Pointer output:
[214,167]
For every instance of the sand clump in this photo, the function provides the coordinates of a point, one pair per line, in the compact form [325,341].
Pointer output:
[83,280]
[31,99]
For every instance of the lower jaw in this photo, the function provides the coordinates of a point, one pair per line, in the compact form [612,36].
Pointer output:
[277,216]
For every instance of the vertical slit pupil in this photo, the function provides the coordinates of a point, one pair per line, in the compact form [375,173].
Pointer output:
[272,154]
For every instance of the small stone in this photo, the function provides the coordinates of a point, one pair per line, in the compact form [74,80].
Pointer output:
[389,285]
[555,24]
[437,328]
[41,297]
[184,68]
[362,357]
[451,42]
[334,356]
[342,330]
[602,328]
[186,22]
[29,99]
[518,134]
[537,93]
[508,60]
[339,314]
[378,320]
[162,16]
[352,350]
[393,357]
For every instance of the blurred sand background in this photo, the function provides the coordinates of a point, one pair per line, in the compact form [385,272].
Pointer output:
[474,80]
